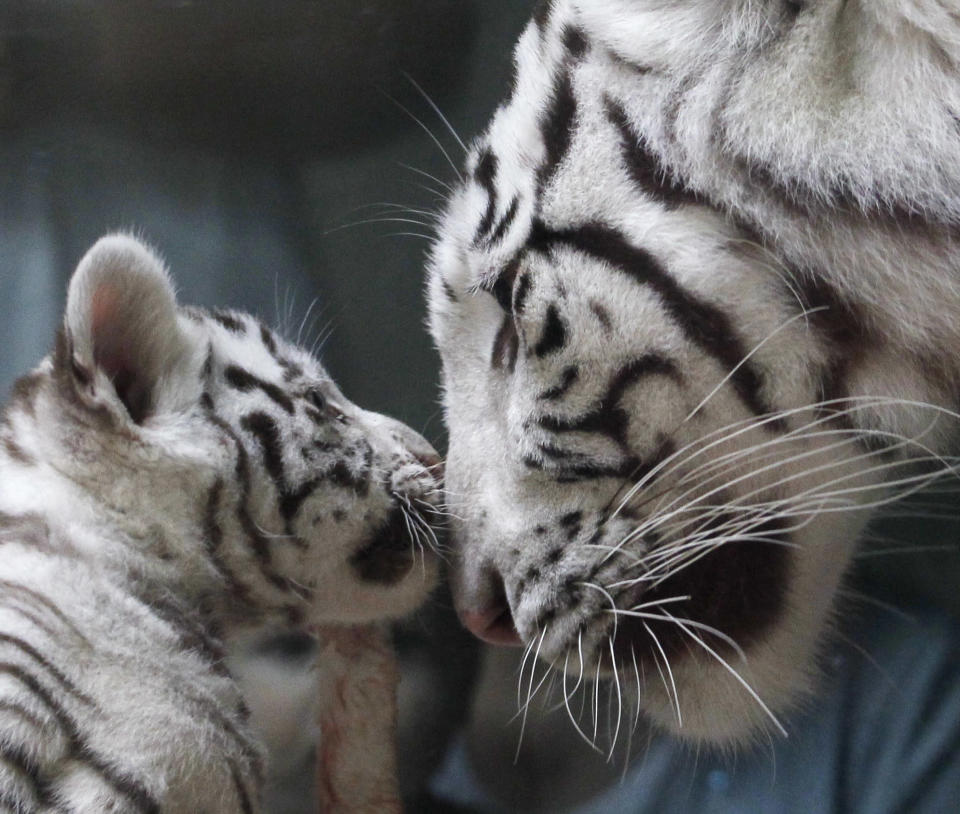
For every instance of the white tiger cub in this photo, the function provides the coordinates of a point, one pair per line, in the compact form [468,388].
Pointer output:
[167,476]
[698,305]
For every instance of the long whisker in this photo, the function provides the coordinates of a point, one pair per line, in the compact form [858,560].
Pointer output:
[436,110]
[802,315]
[740,679]
[430,133]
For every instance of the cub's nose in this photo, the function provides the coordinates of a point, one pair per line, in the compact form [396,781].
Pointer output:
[493,621]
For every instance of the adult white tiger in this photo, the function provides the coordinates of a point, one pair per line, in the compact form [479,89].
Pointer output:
[169,476]
[695,301]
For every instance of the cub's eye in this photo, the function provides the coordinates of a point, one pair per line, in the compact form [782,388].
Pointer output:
[315,397]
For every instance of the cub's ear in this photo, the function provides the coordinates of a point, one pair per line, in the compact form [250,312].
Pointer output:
[121,331]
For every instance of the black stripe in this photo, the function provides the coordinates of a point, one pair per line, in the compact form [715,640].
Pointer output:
[11,604]
[567,379]
[213,540]
[636,67]
[578,473]
[26,766]
[265,430]
[574,40]
[556,127]
[645,167]
[228,321]
[245,805]
[79,748]
[554,334]
[23,395]
[608,418]
[505,222]
[259,544]
[291,370]
[602,315]
[290,503]
[245,381]
[13,449]
[266,337]
[31,596]
[21,711]
[542,12]
[702,323]
[49,667]
[28,530]
[194,635]
[16,452]
[520,293]
[448,291]
[485,176]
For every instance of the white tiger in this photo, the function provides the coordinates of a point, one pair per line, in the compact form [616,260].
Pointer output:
[698,305]
[170,476]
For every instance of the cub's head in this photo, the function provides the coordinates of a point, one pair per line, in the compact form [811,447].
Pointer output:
[663,443]
[231,456]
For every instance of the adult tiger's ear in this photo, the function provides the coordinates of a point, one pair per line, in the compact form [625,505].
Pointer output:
[121,336]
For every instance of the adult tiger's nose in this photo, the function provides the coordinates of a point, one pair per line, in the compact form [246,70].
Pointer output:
[493,622]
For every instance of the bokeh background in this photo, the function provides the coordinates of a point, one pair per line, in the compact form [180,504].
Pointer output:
[283,160]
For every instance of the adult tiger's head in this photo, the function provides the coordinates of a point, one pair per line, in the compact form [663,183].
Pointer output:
[682,360]
[225,460]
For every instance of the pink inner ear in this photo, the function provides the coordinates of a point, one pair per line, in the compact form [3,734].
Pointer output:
[113,351]
[108,351]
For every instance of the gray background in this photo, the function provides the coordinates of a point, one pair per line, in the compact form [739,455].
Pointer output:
[247,140]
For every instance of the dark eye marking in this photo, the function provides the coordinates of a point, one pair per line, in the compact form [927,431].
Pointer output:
[554,334]
[502,286]
[245,381]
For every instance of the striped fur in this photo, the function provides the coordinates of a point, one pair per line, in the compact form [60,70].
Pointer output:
[172,478]
[697,307]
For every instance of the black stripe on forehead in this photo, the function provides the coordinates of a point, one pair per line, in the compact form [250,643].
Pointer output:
[244,381]
[228,321]
[644,166]
[485,175]
[702,323]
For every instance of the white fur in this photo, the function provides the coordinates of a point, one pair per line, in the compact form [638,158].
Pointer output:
[851,111]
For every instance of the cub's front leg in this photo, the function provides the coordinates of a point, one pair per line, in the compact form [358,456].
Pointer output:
[356,764]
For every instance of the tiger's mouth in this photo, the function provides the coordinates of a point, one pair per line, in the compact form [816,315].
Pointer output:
[393,550]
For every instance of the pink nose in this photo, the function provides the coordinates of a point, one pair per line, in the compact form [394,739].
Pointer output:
[493,625]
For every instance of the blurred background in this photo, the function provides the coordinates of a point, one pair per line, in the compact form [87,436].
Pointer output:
[283,159]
